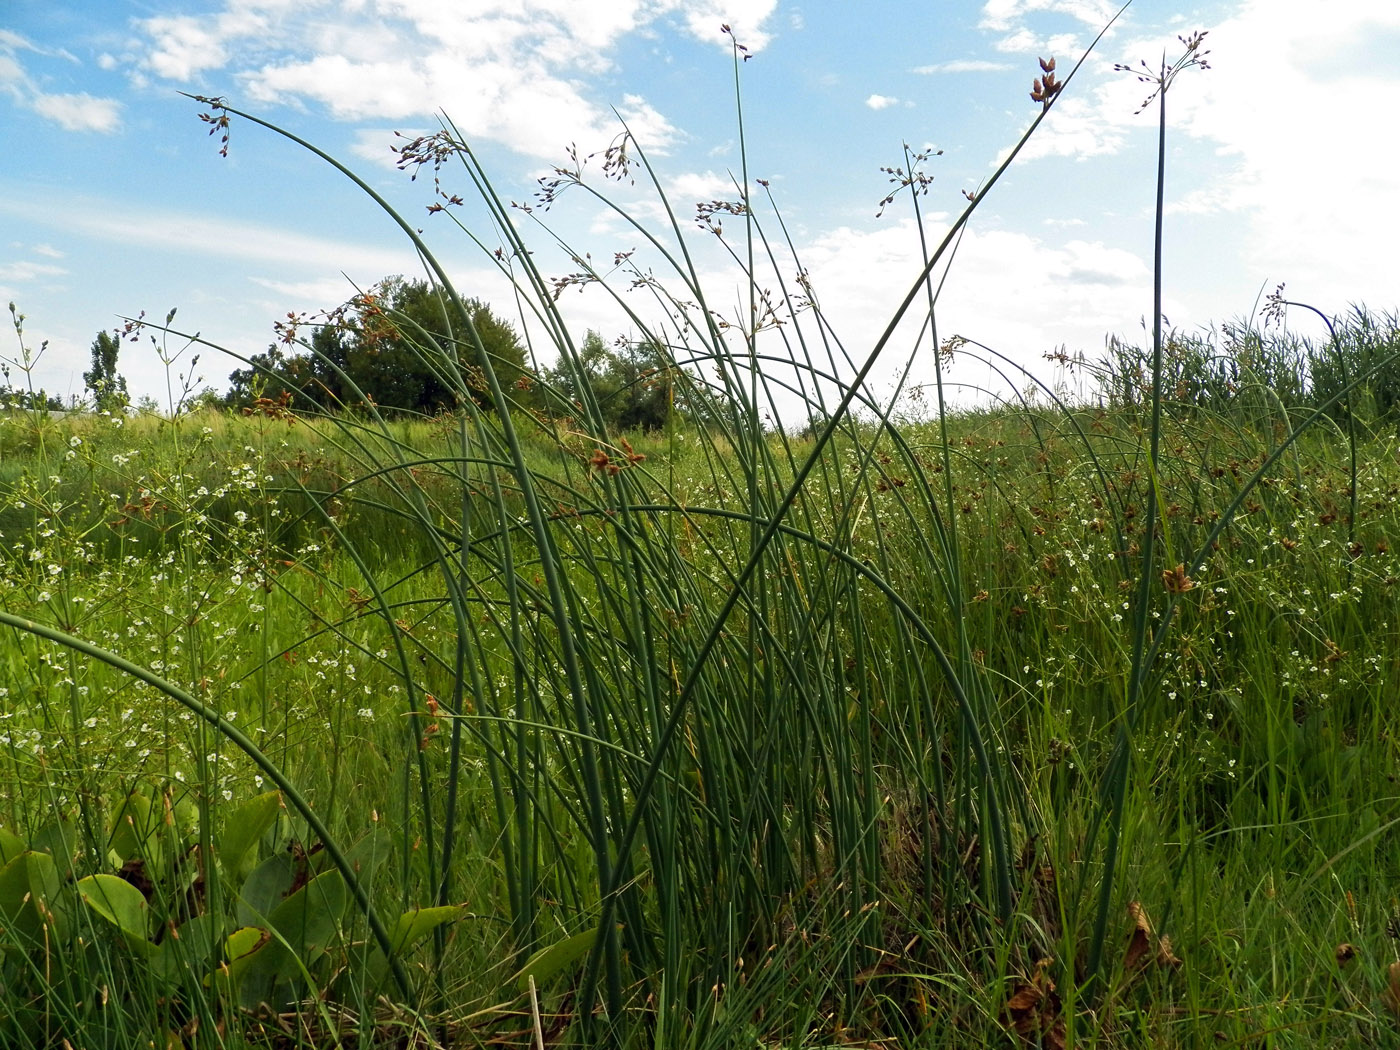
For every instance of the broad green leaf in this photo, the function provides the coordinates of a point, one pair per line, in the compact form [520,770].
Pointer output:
[549,961]
[417,923]
[59,840]
[264,889]
[310,918]
[410,928]
[303,926]
[240,949]
[242,830]
[11,846]
[29,887]
[121,904]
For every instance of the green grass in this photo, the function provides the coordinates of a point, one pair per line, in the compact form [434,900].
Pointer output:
[912,731]
[1256,829]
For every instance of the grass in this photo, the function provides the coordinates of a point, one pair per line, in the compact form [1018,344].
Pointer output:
[1044,724]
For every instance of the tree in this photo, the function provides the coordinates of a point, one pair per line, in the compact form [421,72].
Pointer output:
[636,384]
[107,385]
[401,344]
[33,400]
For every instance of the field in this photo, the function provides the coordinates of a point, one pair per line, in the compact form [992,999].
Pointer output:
[1044,723]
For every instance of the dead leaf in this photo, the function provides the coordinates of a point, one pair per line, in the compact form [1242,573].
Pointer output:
[1165,956]
[1392,992]
[1034,1009]
[1144,942]
[1140,939]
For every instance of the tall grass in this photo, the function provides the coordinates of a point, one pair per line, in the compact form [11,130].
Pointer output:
[724,736]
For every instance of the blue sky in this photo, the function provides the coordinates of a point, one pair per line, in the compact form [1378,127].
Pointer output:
[114,200]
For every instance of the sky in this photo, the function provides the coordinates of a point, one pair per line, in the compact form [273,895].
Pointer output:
[114,198]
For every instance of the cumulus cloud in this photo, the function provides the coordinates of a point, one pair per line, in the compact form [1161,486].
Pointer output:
[881,102]
[1002,15]
[1327,209]
[1318,218]
[79,112]
[509,71]
[1019,294]
[1077,128]
[697,186]
[747,19]
[73,112]
[183,47]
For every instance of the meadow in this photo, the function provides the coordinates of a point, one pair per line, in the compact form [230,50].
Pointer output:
[1047,723]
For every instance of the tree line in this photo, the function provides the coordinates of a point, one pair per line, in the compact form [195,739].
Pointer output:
[406,349]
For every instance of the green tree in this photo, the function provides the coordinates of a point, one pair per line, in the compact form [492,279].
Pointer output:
[402,345]
[12,397]
[636,385]
[103,381]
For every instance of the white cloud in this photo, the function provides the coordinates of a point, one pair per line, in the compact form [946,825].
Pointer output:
[1001,15]
[11,41]
[207,235]
[881,101]
[518,103]
[510,71]
[27,271]
[79,112]
[73,112]
[325,293]
[693,187]
[647,125]
[1298,164]
[374,144]
[746,18]
[1021,41]
[184,46]
[1316,175]
[48,251]
[965,65]
[1021,295]
[1078,128]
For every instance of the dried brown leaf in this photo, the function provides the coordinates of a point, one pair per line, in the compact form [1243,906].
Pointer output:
[1034,1009]
[1165,956]
[1140,939]
[1392,991]
[1144,943]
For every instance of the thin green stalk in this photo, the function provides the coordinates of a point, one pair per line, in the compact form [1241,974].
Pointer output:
[1116,774]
